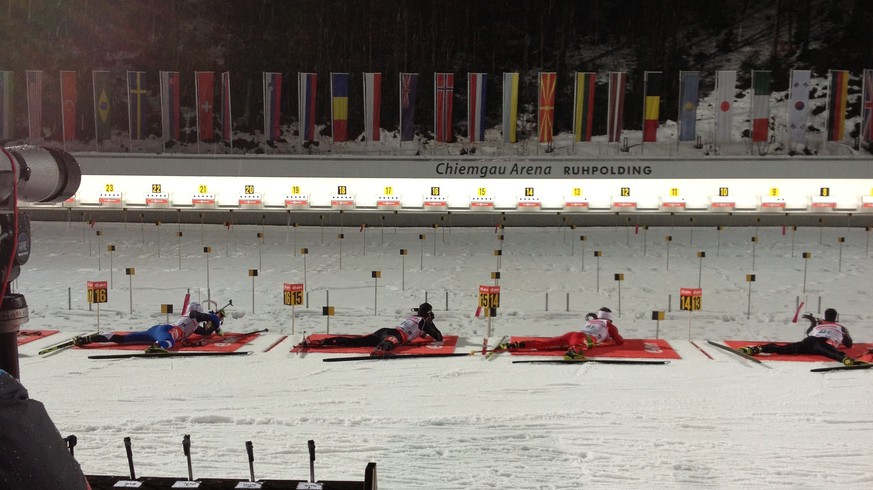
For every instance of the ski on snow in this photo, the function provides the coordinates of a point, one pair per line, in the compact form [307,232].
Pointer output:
[591,361]
[168,354]
[737,352]
[497,349]
[391,357]
[66,344]
[841,368]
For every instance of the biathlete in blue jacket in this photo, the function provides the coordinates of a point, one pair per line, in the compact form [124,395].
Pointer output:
[165,336]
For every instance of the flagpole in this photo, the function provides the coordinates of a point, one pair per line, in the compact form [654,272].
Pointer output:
[400,108]
[332,123]
[645,107]
[197,105]
[436,128]
[266,122]
[63,116]
[575,111]
[94,92]
[129,122]
[679,111]
[229,113]
[161,77]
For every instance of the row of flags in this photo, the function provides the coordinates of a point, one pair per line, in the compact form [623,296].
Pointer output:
[444,94]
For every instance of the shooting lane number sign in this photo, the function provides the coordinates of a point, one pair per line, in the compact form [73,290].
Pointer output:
[98,291]
[489,296]
[690,299]
[293,294]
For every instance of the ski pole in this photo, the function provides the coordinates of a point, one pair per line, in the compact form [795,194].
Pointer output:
[129,457]
[71,441]
[311,444]
[186,448]
[251,454]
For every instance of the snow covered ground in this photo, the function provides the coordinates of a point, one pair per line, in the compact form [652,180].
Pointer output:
[461,423]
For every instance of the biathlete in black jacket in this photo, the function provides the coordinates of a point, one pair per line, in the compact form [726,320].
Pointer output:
[823,337]
[417,325]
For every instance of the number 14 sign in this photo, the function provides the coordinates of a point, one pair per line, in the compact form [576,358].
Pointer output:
[690,299]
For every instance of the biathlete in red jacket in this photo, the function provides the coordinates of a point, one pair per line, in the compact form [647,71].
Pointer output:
[598,329]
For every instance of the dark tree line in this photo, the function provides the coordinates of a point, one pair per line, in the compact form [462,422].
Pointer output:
[248,37]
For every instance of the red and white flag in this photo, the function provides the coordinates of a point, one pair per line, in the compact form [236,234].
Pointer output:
[476,106]
[170,104]
[615,112]
[34,104]
[444,87]
[205,88]
[725,89]
[760,107]
[68,104]
[372,106]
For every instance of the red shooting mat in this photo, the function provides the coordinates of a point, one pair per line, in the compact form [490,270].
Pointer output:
[229,342]
[27,336]
[632,348]
[857,350]
[418,346]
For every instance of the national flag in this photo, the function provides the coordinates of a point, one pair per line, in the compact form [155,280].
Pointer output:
[546,112]
[170,106]
[306,105]
[689,97]
[798,106]
[837,95]
[6,97]
[444,90]
[476,106]
[583,113]
[136,104]
[205,95]
[652,87]
[615,113]
[408,85]
[339,107]
[725,89]
[34,104]
[867,107]
[760,107]
[372,106]
[272,100]
[226,113]
[69,96]
[510,107]
[101,81]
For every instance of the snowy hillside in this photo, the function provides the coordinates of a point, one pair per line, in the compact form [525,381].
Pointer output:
[709,419]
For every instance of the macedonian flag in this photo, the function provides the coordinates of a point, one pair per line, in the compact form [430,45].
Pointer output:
[546,116]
